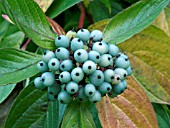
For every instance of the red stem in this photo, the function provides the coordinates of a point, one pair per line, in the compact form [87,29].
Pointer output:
[82,15]
[25,45]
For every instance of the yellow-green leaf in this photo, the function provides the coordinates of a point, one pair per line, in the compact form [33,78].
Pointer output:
[44,4]
[149,53]
[155,84]
[163,20]
[99,25]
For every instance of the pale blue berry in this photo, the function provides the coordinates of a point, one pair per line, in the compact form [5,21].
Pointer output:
[109,75]
[94,56]
[77,74]
[113,50]
[72,87]
[122,62]
[62,41]
[122,72]
[42,66]
[89,90]
[62,53]
[65,77]
[54,64]
[47,56]
[96,35]
[89,67]
[105,87]
[96,78]
[129,70]
[83,34]
[96,97]
[105,60]
[81,55]
[76,44]
[48,79]
[119,88]
[64,97]
[38,83]
[100,47]
[66,65]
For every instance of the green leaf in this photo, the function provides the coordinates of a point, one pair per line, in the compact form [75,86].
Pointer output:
[4,25]
[12,41]
[132,20]
[5,91]
[10,36]
[17,65]
[107,3]
[58,6]
[163,115]
[95,116]
[28,110]
[77,115]
[95,8]
[54,114]
[131,1]
[30,19]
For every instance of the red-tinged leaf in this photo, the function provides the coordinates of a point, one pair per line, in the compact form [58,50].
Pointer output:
[132,109]
[149,53]
[56,27]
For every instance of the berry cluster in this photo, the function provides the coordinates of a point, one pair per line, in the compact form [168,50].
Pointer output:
[83,67]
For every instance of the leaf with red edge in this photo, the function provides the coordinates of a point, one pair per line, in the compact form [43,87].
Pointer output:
[132,109]
[56,27]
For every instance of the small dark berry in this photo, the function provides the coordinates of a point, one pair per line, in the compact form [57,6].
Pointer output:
[108,89]
[90,93]
[112,77]
[97,57]
[53,64]
[89,67]
[78,53]
[43,80]
[62,66]
[41,64]
[99,77]
[58,50]
[59,38]
[77,74]
[61,76]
